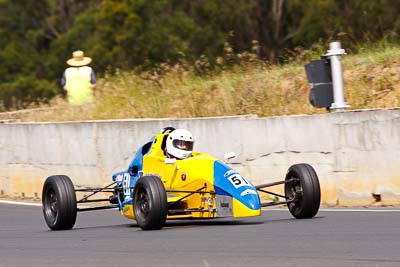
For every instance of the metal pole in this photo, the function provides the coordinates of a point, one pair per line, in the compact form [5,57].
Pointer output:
[335,51]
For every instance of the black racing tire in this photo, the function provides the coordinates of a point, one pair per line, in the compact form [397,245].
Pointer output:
[150,203]
[304,190]
[59,202]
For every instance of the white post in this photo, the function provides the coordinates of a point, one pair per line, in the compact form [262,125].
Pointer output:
[335,51]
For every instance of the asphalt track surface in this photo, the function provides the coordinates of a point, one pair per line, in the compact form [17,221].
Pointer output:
[104,238]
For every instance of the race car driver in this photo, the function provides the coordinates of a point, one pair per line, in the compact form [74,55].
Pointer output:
[179,144]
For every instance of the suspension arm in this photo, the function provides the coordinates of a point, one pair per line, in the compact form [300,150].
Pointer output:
[274,183]
[188,195]
[274,203]
[271,193]
[93,200]
[98,208]
[96,191]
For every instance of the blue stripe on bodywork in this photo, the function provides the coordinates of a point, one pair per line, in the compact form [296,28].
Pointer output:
[135,166]
[246,194]
[138,159]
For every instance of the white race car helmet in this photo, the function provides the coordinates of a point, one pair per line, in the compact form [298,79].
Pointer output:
[180,144]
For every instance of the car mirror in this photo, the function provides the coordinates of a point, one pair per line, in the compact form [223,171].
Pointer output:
[229,155]
[169,161]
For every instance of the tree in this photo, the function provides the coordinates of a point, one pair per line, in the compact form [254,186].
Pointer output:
[36,37]
[22,79]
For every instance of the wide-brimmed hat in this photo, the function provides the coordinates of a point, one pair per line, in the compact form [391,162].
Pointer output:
[78,59]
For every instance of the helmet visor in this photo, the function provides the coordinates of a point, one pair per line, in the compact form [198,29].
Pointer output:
[183,145]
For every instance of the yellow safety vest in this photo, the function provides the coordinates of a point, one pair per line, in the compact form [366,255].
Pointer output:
[79,88]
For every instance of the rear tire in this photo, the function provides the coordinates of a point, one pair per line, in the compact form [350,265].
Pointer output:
[150,203]
[304,191]
[59,202]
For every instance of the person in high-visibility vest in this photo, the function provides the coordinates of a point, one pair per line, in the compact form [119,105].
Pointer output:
[79,80]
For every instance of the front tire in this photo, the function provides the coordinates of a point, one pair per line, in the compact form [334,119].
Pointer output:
[303,191]
[150,203]
[59,202]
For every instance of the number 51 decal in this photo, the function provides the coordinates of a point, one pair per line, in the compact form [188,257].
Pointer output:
[237,180]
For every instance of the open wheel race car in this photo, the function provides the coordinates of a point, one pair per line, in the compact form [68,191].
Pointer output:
[156,188]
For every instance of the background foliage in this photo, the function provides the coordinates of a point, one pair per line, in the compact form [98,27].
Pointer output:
[36,37]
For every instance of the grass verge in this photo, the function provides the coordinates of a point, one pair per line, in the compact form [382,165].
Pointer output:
[372,80]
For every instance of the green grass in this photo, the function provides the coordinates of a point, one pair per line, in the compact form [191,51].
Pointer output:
[372,80]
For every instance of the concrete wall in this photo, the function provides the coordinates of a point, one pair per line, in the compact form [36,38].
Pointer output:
[356,154]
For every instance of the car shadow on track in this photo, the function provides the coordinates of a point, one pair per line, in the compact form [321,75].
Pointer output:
[294,220]
[173,224]
[216,223]
[211,222]
[80,228]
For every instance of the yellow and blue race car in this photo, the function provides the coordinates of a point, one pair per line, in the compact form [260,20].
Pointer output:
[157,187]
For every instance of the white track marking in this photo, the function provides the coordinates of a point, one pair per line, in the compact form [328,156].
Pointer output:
[20,203]
[31,204]
[264,209]
[361,210]
[343,210]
